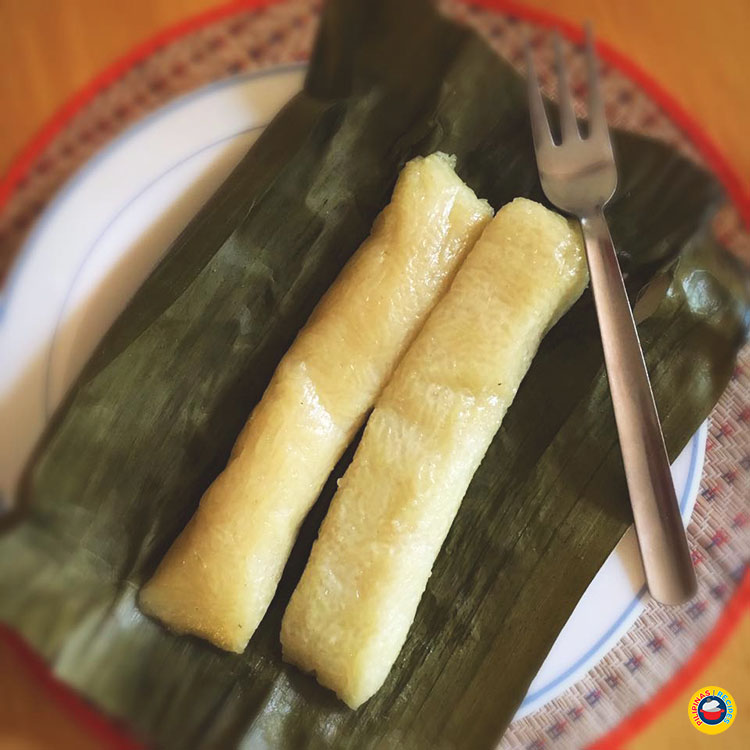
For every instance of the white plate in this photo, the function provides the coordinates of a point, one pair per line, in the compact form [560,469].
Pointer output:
[103,233]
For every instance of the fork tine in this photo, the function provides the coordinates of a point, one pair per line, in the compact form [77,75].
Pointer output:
[568,124]
[597,116]
[539,123]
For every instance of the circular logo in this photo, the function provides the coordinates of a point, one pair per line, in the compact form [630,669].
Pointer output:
[712,710]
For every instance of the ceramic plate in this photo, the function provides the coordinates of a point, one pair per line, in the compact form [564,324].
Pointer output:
[105,231]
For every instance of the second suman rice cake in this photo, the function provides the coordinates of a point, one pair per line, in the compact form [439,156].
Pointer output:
[352,609]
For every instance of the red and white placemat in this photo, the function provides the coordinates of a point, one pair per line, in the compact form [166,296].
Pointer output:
[254,36]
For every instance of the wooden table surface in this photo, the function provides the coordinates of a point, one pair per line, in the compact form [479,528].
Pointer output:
[697,50]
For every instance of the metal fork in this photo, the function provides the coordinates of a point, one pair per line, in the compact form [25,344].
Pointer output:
[579,177]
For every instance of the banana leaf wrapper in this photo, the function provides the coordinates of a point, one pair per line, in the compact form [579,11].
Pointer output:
[154,414]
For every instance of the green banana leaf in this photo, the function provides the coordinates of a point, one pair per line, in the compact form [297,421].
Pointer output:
[153,416]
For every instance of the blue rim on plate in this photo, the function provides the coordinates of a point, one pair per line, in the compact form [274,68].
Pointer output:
[29,248]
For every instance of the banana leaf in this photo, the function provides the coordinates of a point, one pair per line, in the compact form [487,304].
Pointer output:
[153,416]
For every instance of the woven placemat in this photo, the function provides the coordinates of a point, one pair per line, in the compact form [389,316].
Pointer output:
[719,533]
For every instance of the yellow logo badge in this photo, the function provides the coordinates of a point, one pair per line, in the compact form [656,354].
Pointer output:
[712,710]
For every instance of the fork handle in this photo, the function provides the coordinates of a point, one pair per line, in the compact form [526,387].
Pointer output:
[661,537]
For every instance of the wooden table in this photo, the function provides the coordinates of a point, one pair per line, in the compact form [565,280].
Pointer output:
[697,50]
